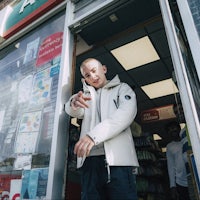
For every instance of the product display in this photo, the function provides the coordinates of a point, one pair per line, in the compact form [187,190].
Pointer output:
[150,173]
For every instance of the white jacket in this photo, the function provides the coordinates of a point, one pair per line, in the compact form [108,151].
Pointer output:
[118,108]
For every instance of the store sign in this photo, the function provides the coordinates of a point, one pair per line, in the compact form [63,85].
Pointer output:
[24,13]
[50,48]
[157,114]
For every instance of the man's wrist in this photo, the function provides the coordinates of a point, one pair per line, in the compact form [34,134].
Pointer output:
[91,138]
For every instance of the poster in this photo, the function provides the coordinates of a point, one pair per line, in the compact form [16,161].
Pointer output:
[50,48]
[5,184]
[34,184]
[15,189]
[31,50]
[23,162]
[41,87]
[28,132]
[157,114]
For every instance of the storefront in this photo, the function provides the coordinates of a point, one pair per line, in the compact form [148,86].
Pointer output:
[33,124]
[43,44]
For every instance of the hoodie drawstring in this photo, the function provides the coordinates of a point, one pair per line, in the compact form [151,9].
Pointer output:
[108,171]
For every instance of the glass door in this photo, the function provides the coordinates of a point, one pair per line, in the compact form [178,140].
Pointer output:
[182,50]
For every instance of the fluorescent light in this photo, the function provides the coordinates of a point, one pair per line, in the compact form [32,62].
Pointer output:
[159,89]
[156,137]
[136,53]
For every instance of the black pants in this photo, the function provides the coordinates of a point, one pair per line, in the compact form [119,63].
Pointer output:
[95,186]
[183,192]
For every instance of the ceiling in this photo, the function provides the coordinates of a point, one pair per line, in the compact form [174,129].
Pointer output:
[136,19]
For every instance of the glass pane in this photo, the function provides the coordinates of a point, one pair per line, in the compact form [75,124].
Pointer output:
[186,54]
[29,72]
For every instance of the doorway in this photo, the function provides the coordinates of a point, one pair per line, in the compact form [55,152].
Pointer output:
[103,40]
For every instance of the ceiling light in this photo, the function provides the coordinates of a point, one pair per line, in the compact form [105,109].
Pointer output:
[136,53]
[113,18]
[159,89]
[156,137]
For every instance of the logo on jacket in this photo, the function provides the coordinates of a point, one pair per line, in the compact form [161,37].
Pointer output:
[127,97]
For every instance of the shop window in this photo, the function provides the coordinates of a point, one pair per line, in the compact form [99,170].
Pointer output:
[29,74]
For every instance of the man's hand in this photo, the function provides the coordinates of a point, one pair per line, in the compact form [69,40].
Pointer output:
[80,100]
[83,146]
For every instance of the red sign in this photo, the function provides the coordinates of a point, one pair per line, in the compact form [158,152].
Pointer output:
[16,196]
[157,114]
[5,180]
[50,48]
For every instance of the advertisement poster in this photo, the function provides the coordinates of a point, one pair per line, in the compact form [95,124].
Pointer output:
[23,162]
[41,87]
[157,114]
[5,184]
[31,50]
[28,132]
[15,189]
[34,183]
[50,48]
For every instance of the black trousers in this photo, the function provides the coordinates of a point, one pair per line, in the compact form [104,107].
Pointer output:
[183,192]
[95,185]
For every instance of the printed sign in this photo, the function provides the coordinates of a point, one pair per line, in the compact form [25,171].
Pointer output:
[24,13]
[157,114]
[50,48]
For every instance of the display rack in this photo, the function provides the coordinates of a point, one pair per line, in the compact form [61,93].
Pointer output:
[150,184]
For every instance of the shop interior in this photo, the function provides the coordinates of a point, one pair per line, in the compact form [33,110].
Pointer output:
[131,41]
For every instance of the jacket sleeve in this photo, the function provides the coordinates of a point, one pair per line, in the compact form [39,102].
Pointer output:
[73,113]
[120,119]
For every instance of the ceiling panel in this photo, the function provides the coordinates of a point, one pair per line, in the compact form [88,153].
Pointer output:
[155,26]
[159,40]
[128,15]
[150,73]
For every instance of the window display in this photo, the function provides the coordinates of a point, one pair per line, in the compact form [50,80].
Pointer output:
[29,74]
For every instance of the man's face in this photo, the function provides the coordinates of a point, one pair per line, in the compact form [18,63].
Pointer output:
[94,73]
[174,132]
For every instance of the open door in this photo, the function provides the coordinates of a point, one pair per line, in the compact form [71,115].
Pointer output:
[176,16]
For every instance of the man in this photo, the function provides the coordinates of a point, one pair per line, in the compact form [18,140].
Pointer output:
[176,164]
[105,150]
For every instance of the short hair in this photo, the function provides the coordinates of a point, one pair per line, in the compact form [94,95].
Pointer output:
[89,59]
[83,64]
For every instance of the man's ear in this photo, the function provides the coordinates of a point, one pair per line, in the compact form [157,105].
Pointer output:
[104,69]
